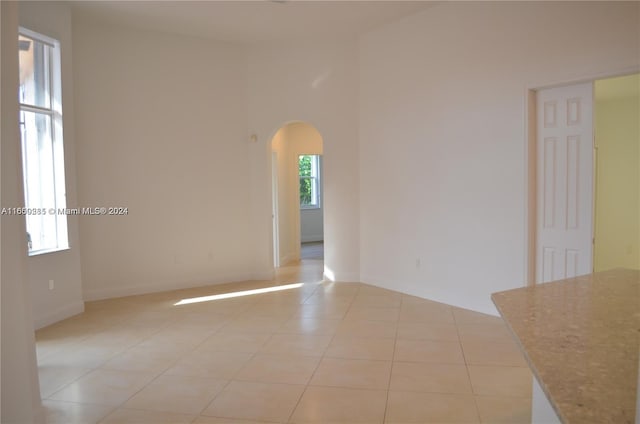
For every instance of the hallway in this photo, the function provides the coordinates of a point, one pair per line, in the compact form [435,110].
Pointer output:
[312,250]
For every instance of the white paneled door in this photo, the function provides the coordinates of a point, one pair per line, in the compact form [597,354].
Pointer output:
[564,236]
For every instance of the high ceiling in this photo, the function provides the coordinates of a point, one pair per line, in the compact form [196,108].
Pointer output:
[250,22]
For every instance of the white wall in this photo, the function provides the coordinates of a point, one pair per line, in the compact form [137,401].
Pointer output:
[442,135]
[20,393]
[291,141]
[315,83]
[54,20]
[161,130]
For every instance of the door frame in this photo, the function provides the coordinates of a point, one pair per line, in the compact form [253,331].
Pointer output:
[275,226]
[530,160]
[273,159]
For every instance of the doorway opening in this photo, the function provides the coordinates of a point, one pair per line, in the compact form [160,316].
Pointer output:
[297,194]
[583,178]
[617,173]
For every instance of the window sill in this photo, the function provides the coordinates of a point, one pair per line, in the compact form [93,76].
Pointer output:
[310,208]
[46,251]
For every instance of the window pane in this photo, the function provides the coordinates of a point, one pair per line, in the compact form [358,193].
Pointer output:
[304,165]
[314,192]
[306,198]
[39,178]
[308,191]
[35,73]
[308,169]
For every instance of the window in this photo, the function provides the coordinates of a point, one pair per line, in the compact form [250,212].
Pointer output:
[309,172]
[41,137]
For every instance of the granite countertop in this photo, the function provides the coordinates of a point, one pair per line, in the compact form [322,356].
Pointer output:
[581,337]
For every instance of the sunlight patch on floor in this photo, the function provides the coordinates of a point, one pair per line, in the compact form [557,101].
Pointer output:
[237,294]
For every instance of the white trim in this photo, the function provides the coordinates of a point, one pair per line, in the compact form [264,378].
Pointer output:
[44,39]
[540,85]
[275,211]
[37,109]
[529,174]
[316,164]
[265,274]
[113,292]
[406,287]
[59,314]
[54,112]
[344,277]
[312,238]
[46,251]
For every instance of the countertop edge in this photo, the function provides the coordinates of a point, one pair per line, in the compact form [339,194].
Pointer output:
[532,366]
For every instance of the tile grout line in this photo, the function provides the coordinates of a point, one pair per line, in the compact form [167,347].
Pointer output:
[229,381]
[320,360]
[393,361]
[118,407]
[256,305]
[466,366]
[173,362]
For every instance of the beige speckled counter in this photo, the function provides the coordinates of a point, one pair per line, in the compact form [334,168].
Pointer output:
[581,337]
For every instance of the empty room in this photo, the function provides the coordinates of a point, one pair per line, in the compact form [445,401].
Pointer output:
[302,211]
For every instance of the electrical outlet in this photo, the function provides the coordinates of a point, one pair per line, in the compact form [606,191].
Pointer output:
[51,285]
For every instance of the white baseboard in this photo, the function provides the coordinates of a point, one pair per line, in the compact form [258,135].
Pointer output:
[410,288]
[311,238]
[289,257]
[265,274]
[341,276]
[59,314]
[347,277]
[113,292]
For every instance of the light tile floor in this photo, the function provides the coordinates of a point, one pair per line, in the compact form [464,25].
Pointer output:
[312,250]
[319,353]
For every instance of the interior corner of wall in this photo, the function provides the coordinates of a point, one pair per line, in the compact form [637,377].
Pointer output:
[59,314]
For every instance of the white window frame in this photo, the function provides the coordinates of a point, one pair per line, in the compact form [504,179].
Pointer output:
[60,240]
[316,182]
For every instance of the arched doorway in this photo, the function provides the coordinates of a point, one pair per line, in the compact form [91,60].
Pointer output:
[297,195]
